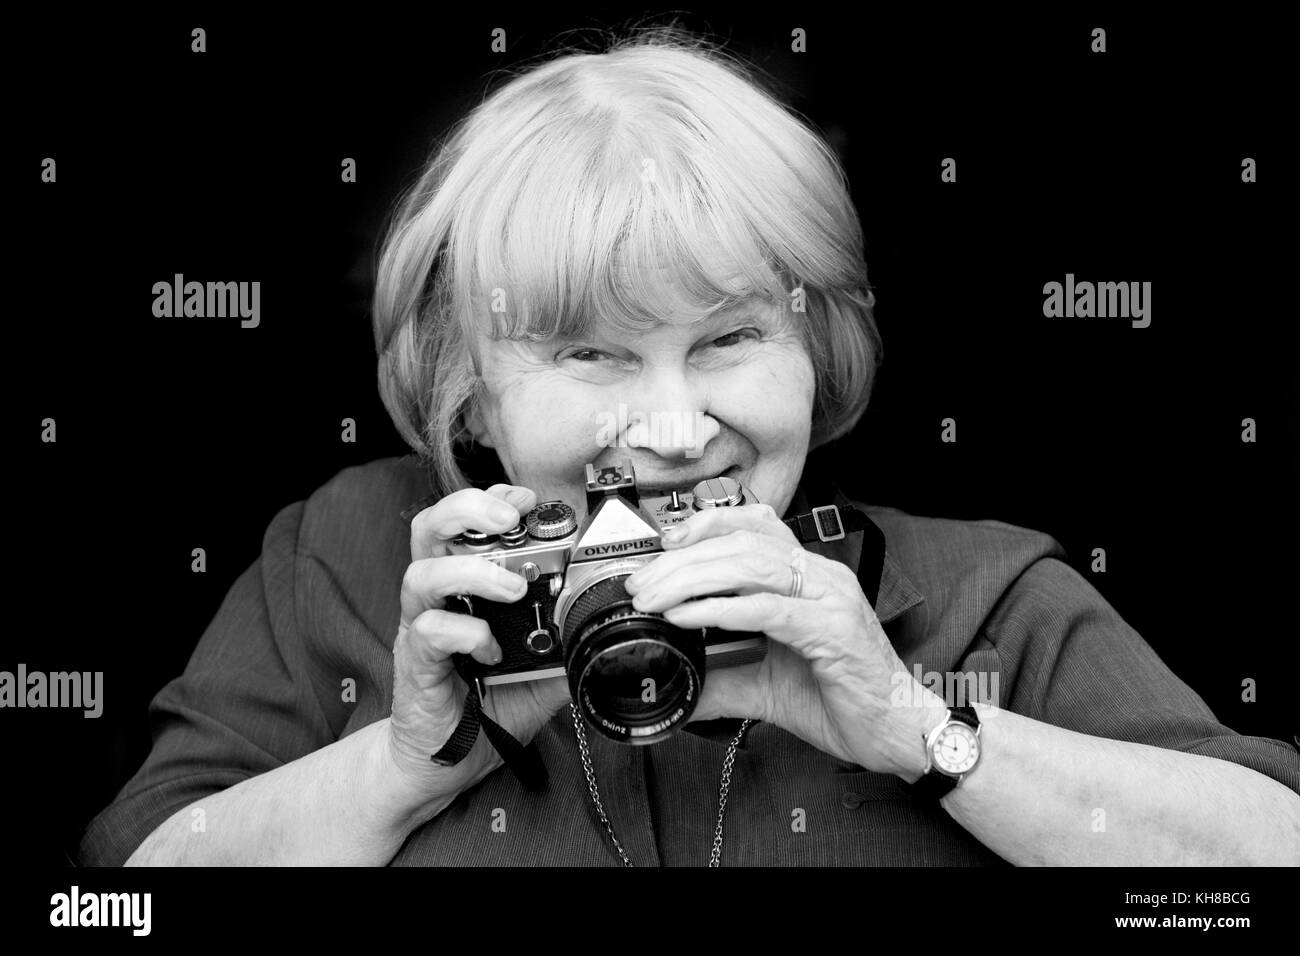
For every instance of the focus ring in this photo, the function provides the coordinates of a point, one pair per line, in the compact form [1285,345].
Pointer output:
[601,596]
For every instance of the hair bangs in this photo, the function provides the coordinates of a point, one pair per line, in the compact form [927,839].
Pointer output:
[630,238]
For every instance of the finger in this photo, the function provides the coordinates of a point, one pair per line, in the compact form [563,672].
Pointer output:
[497,509]
[428,582]
[758,558]
[745,571]
[436,635]
[791,621]
[731,692]
[712,522]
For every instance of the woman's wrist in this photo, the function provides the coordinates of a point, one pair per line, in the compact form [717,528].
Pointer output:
[399,804]
[923,711]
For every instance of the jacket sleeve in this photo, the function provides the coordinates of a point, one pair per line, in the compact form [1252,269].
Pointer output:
[1073,662]
[244,705]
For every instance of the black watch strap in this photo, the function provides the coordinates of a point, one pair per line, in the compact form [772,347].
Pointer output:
[935,784]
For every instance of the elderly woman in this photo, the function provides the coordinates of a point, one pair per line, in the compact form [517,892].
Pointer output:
[649,231]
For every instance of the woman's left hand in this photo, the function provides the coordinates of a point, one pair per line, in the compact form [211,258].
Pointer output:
[830,677]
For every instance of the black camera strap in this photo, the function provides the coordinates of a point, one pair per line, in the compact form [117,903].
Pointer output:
[822,525]
[525,762]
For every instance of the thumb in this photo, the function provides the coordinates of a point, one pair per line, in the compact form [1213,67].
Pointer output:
[732,692]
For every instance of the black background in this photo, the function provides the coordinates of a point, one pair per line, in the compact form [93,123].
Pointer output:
[176,434]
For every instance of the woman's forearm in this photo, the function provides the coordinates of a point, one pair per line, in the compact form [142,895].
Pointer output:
[1048,796]
[341,805]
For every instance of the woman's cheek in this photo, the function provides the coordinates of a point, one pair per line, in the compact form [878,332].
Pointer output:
[554,424]
[775,396]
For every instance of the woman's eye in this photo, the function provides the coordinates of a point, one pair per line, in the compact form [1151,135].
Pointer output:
[584,355]
[732,338]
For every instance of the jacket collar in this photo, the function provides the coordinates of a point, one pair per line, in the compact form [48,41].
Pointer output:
[896,593]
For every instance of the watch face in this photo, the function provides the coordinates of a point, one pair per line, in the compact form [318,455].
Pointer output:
[956,749]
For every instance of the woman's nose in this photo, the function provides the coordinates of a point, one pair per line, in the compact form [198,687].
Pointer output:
[669,417]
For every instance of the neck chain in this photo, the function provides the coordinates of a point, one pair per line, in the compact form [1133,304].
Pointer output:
[724,785]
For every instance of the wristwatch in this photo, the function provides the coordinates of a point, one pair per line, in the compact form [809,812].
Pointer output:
[952,750]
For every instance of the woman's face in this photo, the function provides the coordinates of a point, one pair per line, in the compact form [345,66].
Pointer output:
[688,399]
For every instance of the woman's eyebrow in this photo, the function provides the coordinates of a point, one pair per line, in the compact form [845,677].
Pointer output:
[755,310]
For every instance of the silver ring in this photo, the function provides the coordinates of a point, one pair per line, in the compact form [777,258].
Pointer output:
[796,583]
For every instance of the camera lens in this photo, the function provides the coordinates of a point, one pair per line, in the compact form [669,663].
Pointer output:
[635,676]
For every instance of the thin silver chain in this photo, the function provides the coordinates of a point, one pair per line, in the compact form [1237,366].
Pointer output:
[724,786]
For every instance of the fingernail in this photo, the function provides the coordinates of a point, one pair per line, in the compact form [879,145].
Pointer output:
[517,496]
[675,533]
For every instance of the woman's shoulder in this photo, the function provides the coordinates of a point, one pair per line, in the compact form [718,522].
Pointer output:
[922,535]
[963,563]
[377,488]
[355,518]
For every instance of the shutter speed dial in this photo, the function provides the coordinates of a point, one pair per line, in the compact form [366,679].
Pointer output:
[551,520]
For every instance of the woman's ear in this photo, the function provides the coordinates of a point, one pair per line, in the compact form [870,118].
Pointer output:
[476,426]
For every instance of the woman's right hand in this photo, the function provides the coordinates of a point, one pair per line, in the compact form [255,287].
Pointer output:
[428,696]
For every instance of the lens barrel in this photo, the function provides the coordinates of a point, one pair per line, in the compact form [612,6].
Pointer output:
[634,675]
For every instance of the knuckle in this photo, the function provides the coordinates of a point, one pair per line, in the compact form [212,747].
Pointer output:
[447,632]
[413,577]
[754,565]
[433,623]
[435,522]
[840,574]
[507,581]
[423,523]
[784,612]
[426,627]
[484,574]
[481,500]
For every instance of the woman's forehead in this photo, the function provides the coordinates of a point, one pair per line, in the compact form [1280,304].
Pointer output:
[689,316]
[665,313]
[634,299]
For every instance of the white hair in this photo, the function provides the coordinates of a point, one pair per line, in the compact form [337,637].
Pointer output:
[550,204]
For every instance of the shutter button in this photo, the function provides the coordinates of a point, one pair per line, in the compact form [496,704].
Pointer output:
[717,493]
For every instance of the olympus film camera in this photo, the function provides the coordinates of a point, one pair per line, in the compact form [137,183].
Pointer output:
[634,676]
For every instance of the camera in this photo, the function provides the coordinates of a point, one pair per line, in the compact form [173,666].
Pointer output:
[634,676]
